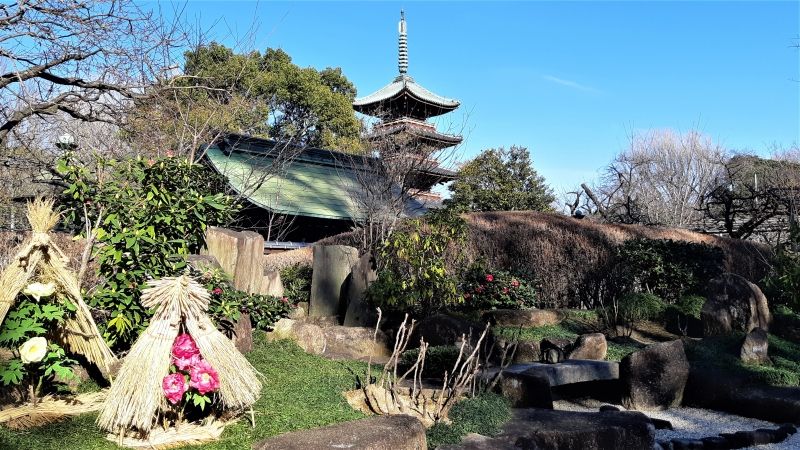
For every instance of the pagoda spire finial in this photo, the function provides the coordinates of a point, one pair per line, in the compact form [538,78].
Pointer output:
[402,57]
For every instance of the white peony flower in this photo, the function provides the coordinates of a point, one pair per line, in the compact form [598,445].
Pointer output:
[33,350]
[38,290]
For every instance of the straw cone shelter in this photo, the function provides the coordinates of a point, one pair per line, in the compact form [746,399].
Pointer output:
[39,257]
[136,400]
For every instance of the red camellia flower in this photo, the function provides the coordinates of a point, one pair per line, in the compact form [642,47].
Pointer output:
[285,300]
[467,296]
[184,347]
[479,290]
[515,282]
[505,290]
[204,378]
[217,291]
[489,277]
[174,386]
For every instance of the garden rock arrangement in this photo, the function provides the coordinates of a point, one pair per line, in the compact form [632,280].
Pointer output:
[523,318]
[543,429]
[445,329]
[590,346]
[374,433]
[721,391]
[654,378]
[333,341]
[734,304]
[755,347]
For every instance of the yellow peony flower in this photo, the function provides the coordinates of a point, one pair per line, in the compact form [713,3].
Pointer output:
[38,290]
[33,350]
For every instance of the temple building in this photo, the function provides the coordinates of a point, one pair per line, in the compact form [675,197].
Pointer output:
[317,192]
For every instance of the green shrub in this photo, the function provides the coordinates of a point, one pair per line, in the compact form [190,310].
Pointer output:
[669,269]
[438,360]
[227,304]
[485,289]
[30,320]
[412,273]
[147,216]
[484,414]
[296,281]
[782,284]
[686,308]
[632,308]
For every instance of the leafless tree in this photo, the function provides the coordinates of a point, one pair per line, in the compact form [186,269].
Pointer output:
[81,59]
[661,179]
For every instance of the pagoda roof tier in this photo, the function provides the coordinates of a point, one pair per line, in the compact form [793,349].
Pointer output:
[404,98]
[422,133]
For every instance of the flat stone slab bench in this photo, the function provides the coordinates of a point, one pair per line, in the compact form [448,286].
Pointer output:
[569,372]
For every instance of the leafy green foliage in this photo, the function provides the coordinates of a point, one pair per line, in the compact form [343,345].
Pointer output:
[501,180]
[486,289]
[685,309]
[666,268]
[296,281]
[304,105]
[413,273]
[227,304]
[782,284]
[29,319]
[151,214]
[637,307]
[484,414]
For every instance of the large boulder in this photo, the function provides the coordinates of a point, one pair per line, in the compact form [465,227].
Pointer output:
[654,378]
[523,317]
[373,433]
[359,312]
[528,352]
[755,347]
[723,391]
[331,268]
[444,329]
[590,346]
[541,429]
[356,343]
[555,350]
[734,304]
[308,336]
[243,333]
[526,390]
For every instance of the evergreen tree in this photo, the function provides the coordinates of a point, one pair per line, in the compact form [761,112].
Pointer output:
[501,180]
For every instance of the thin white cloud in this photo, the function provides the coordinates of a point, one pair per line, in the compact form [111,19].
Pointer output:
[571,84]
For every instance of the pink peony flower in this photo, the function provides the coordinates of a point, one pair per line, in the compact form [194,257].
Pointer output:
[184,347]
[204,378]
[217,291]
[489,277]
[174,386]
[186,364]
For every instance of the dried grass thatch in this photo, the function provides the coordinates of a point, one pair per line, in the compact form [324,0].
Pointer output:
[50,409]
[136,400]
[40,256]
[182,435]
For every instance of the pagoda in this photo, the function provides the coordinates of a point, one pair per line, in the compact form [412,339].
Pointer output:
[403,107]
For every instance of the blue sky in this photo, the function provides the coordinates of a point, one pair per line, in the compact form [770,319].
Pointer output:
[569,80]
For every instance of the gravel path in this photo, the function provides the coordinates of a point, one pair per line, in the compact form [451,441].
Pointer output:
[694,423]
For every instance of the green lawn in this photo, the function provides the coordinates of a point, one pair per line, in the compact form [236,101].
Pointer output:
[300,391]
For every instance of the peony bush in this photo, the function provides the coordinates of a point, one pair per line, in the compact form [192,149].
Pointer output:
[191,377]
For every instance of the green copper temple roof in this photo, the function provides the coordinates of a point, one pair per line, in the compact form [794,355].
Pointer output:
[314,183]
[305,188]
[401,94]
